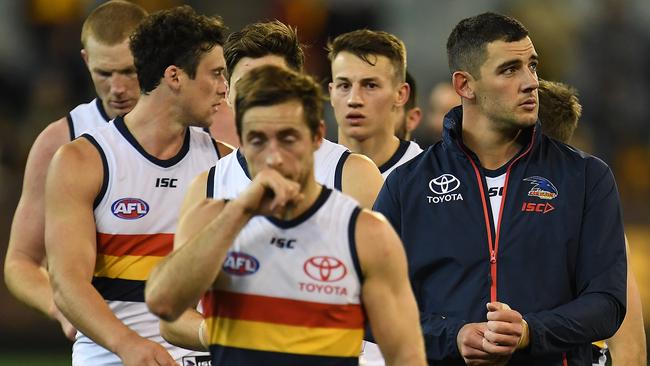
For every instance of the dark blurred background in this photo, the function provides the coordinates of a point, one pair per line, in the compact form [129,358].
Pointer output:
[602,47]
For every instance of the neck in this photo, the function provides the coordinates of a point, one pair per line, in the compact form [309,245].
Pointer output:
[378,148]
[155,124]
[311,190]
[494,146]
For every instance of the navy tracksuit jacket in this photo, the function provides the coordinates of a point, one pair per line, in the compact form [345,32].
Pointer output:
[557,255]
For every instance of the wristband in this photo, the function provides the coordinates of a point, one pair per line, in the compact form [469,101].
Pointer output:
[525,338]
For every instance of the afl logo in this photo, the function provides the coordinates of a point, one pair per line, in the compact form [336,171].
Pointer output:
[325,269]
[240,264]
[444,184]
[130,208]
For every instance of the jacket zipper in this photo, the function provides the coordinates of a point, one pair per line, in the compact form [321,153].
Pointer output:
[493,246]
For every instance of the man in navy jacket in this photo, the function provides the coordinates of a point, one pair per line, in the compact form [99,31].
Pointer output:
[515,241]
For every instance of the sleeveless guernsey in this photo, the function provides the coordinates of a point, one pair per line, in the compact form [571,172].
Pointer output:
[135,215]
[289,291]
[86,117]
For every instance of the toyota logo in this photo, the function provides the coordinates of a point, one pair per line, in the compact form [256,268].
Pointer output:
[325,269]
[444,184]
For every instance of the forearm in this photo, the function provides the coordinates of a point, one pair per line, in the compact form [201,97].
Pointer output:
[588,318]
[184,331]
[185,275]
[77,300]
[29,282]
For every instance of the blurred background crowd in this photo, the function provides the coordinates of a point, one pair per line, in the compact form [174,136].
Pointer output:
[601,47]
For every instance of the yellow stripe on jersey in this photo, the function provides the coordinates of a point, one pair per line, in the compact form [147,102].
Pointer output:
[285,338]
[128,267]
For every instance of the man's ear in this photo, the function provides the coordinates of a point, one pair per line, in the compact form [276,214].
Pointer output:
[84,56]
[461,81]
[413,118]
[228,93]
[320,134]
[402,94]
[172,77]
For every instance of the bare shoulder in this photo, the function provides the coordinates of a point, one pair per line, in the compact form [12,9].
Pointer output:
[224,148]
[79,151]
[55,135]
[359,161]
[78,164]
[376,239]
[361,179]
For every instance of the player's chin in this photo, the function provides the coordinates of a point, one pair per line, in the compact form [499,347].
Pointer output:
[527,119]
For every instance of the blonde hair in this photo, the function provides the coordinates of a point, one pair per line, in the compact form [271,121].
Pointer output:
[112,22]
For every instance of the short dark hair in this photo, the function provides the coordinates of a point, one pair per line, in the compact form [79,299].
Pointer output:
[261,39]
[467,43]
[177,36]
[112,22]
[413,93]
[559,109]
[271,85]
[364,42]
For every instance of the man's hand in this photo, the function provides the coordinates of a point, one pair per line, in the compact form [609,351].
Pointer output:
[270,194]
[505,330]
[470,341]
[138,351]
[68,329]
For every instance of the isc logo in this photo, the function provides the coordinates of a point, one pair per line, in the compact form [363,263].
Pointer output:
[240,264]
[130,208]
[166,182]
[283,243]
[537,207]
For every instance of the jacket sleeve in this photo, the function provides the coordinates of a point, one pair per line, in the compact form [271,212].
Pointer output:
[439,332]
[440,335]
[600,274]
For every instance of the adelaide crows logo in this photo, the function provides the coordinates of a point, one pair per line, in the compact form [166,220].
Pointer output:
[542,188]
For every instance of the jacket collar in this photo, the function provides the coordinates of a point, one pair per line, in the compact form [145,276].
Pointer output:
[452,134]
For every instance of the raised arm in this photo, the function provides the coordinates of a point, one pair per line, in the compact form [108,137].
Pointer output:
[387,295]
[73,182]
[361,180]
[25,273]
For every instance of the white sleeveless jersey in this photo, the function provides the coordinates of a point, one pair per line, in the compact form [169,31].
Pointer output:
[135,216]
[230,176]
[86,117]
[289,291]
[406,151]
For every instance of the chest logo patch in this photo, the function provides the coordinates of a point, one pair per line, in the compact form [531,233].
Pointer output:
[444,184]
[240,264]
[541,188]
[325,269]
[130,208]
